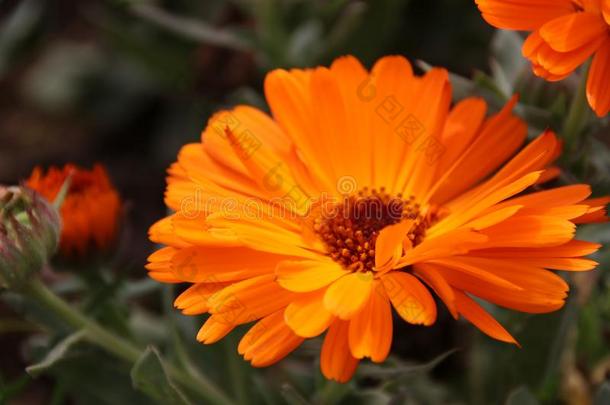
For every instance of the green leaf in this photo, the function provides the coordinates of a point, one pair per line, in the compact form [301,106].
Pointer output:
[190,28]
[63,191]
[148,375]
[292,396]
[521,396]
[56,354]
[500,78]
[602,397]
[506,49]
[372,370]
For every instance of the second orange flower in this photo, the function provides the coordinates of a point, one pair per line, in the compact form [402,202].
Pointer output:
[565,33]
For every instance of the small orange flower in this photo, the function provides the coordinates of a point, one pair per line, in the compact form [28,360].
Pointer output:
[565,34]
[91,209]
[363,188]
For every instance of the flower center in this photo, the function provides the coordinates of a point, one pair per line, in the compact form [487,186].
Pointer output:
[349,229]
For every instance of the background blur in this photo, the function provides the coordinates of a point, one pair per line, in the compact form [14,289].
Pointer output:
[126,83]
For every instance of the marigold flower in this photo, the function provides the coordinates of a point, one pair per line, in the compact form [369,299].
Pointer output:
[91,210]
[363,188]
[565,33]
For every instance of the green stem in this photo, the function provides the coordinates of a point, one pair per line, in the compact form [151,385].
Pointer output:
[116,345]
[236,372]
[578,109]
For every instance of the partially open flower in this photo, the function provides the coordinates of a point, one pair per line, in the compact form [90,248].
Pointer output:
[29,234]
[90,211]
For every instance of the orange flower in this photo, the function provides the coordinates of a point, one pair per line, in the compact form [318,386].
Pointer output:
[90,212]
[565,34]
[363,188]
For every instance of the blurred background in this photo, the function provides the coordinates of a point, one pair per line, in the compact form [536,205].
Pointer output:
[126,83]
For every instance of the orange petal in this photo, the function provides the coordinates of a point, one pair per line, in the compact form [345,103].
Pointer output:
[289,98]
[597,211]
[570,32]
[498,139]
[162,232]
[522,15]
[307,316]
[481,319]
[475,271]
[563,63]
[452,243]
[370,330]
[346,296]
[262,164]
[573,248]
[262,235]
[526,278]
[431,109]
[330,121]
[534,157]
[559,263]
[565,195]
[410,298]
[336,360]
[388,96]
[461,127]
[268,341]
[218,264]
[429,273]
[249,300]
[194,300]
[598,81]
[353,79]
[535,297]
[308,275]
[494,217]
[466,212]
[159,265]
[388,247]
[214,329]
[530,231]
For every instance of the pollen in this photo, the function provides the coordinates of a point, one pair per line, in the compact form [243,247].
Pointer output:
[349,229]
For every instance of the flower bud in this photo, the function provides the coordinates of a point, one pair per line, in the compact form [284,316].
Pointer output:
[29,235]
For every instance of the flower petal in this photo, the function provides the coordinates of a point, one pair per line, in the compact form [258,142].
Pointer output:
[194,300]
[388,247]
[214,329]
[346,296]
[481,319]
[598,82]
[370,331]
[336,360]
[429,273]
[410,298]
[570,32]
[249,300]
[307,316]
[523,15]
[268,341]
[308,275]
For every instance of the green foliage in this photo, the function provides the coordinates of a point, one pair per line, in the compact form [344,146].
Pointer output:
[148,375]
